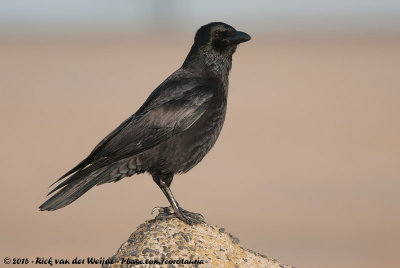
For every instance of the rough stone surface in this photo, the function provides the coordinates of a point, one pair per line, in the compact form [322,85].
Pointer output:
[169,239]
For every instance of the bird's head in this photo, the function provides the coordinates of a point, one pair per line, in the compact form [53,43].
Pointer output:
[219,37]
[214,45]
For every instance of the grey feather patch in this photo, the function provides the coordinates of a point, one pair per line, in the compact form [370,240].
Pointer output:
[138,165]
[123,169]
[115,173]
[132,163]
[131,172]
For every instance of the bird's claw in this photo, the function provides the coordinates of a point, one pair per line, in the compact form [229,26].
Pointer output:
[163,211]
[190,218]
[182,214]
[154,209]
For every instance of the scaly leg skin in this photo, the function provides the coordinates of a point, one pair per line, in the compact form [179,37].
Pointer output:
[184,215]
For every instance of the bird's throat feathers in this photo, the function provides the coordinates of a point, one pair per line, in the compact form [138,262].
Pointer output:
[220,64]
[206,59]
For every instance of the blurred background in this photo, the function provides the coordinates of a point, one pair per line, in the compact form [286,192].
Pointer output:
[306,170]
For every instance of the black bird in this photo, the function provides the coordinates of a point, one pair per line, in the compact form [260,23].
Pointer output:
[171,132]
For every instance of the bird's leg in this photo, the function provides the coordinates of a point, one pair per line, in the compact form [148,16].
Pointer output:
[184,215]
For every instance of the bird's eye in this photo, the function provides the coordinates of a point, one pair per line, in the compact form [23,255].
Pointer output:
[221,38]
[222,34]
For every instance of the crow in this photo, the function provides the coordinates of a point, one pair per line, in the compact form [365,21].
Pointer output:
[171,132]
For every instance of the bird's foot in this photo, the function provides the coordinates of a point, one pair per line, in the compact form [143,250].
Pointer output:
[191,217]
[182,214]
[164,212]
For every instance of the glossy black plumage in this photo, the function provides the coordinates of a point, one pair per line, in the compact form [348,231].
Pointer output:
[172,131]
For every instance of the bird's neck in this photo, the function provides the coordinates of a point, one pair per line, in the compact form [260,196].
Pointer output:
[208,62]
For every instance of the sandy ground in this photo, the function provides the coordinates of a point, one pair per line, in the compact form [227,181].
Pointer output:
[306,170]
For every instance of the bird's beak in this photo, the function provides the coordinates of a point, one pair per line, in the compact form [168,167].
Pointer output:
[238,38]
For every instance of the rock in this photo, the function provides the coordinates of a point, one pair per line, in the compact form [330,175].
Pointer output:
[173,243]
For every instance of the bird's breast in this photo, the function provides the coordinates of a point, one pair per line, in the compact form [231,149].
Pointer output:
[183,151]
[199,139]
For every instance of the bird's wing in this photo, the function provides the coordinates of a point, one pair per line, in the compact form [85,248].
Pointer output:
[92,155]
[153,126]
[146,129]
[169,90]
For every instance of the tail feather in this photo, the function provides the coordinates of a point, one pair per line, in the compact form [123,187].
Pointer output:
[85,162]
[72,191]
[83,180]
[81,173]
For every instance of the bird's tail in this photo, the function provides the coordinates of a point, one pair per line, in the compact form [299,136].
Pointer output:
[83,180]
[73,190]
